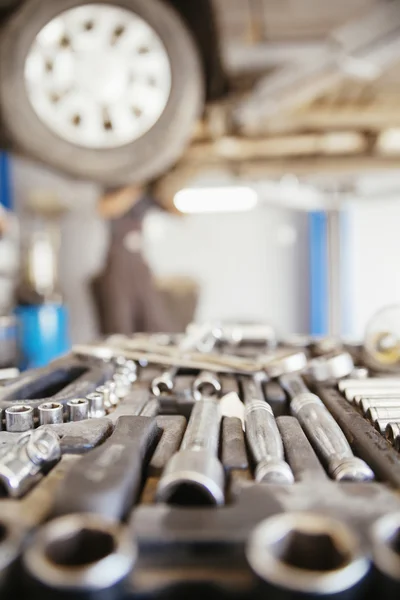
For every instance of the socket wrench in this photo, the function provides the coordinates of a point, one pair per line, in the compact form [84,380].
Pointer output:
[194,475]
[80,552]
[23,464]
[263,436]
[324,433]
[306,554]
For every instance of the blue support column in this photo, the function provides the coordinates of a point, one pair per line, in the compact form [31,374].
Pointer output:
[5,182]
[319,281]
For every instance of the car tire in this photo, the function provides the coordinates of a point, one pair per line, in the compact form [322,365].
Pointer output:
[146,157]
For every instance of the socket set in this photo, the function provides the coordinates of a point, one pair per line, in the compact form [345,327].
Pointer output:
[221,463]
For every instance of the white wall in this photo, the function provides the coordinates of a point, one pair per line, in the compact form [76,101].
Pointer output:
[251,266]
[374,255]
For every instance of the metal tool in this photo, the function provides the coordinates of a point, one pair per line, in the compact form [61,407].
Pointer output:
[96,405]
[164,383]
[78,409]
[173,428]
[20,515]
[263,436]
[392,433]
[331,367]
[382,424]
[122,385]
[376,414]
[382,382]
[107,479]
[19,418]
[150,409]
[306,554]
[324,433]
[109,394]
[233,454]
[50,413]
[79,437]
[299,452]
[366,403]
[388,395]
[385,535]
[355,396]
[284,361]
[22,465]
[194,475]
[80,552]
[206,384]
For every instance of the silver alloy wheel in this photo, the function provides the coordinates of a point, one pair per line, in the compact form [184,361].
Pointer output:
[98,76]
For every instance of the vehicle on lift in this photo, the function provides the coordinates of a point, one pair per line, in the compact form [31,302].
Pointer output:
[111,90]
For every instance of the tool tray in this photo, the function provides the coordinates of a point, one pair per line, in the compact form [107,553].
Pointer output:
[195,551]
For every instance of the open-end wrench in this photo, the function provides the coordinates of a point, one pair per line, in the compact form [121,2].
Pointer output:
[194,475]
[263,436]
[107,479]
[164,384]
[206,384]
[324,433]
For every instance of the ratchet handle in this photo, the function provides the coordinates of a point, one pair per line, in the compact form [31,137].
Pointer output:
[107,479]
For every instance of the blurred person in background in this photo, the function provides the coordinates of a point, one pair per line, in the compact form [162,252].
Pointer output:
[125,294]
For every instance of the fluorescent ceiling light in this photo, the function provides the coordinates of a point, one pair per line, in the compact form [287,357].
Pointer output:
[216,199]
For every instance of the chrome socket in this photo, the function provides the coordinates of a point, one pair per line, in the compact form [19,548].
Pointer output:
[78,409]
[19,418]
[366,403]
[51,413]
[21,465]
[96,405]
[392,434]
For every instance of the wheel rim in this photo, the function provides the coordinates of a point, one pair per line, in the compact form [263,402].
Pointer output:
[98,76]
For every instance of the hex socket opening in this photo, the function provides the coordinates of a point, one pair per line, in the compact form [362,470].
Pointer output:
[307,553]
[310,551]
[50,406]
[79,548]
[188,494]
[207,389]
[19,408]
